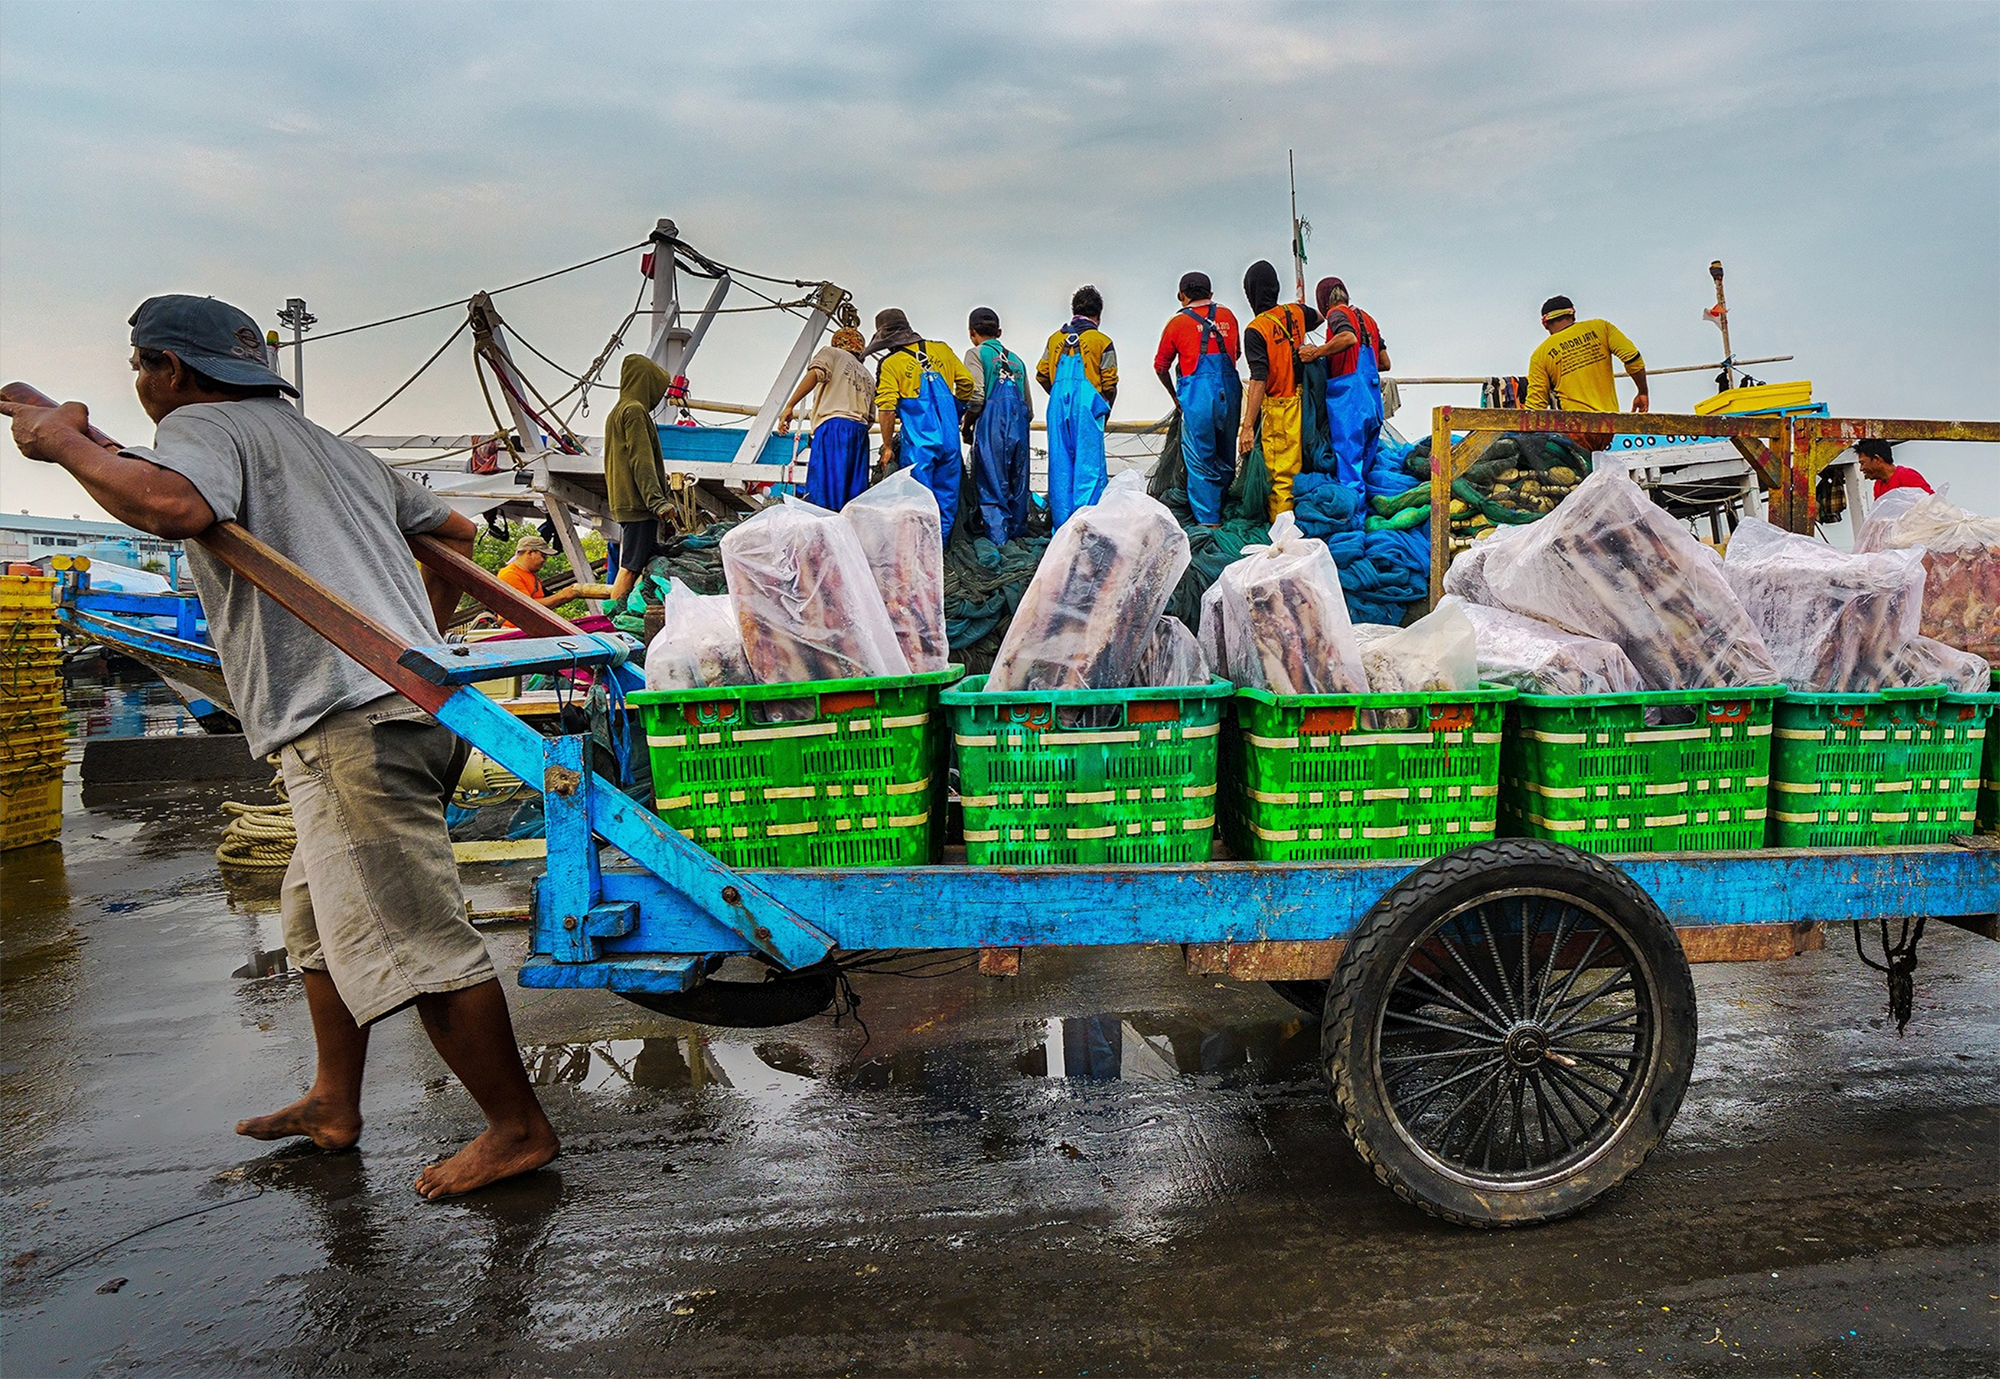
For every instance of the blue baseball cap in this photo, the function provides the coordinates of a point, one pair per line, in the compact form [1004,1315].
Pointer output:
[212,337]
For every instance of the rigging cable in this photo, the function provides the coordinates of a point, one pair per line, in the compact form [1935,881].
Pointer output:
[436,355]
[464,301]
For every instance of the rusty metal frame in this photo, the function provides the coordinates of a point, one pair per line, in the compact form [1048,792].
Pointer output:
[1788,453]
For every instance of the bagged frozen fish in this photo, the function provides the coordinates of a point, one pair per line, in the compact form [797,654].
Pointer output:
[1437,652]
[1536,658]
[1086,616]
[1610,563]
[699,644]
[1173,657]
[1284,618]
[1961,565]
[805,598]
[1835,622]
[1925,661]
[900,532]
[1209,632]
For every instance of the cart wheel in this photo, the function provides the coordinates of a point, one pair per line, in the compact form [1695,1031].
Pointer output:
[783,999]
[1510,1032]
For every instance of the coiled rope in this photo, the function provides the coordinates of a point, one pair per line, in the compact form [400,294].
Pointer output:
[259,837]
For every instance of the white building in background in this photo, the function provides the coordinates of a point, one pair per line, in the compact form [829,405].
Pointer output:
[27,537]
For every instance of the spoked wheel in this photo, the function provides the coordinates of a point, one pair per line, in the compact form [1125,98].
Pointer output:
[1510,1032]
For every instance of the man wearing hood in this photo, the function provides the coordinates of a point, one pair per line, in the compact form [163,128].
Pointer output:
[1271,346]
[635,479]
[921,390]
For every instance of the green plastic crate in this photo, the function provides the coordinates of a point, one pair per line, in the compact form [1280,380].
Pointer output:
[1876,770]
[1989,774]
[1659,771]
[829,773]
[1323,777]
[1048,778]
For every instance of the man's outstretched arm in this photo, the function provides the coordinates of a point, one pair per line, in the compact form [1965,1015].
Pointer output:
[137,492]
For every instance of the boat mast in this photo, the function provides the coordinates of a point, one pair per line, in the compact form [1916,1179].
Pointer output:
[1721,317]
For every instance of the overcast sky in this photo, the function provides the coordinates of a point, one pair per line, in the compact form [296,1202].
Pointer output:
[1459,163]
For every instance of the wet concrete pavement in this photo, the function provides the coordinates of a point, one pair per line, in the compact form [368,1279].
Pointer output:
[1103,1166]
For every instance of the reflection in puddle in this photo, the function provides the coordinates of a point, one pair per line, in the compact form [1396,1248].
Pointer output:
[1146,1047]
[768,1068]
[1130,1047]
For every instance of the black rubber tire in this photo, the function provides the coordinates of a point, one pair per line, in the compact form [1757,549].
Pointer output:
[1401,923]
[782,1000]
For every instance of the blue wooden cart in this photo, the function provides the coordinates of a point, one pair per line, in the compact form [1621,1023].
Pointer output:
[1508,1030]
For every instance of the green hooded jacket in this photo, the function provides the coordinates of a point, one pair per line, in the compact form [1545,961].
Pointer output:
[635,479]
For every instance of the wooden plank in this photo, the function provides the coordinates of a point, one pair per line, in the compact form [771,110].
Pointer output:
[467,663]
[1000,962]
[1282,961]
[510,603]
[1750,942]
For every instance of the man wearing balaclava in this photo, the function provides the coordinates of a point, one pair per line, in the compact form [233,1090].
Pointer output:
[635,481]
[1271,345]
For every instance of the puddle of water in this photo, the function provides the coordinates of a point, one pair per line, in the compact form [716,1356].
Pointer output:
[1128,1047]
[121,707]
[1144,1047]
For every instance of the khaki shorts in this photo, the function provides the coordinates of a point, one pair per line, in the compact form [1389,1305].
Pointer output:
[372,897]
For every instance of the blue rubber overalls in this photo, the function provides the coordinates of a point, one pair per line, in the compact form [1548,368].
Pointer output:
[1076,436]
[1354,405]
[1211,401]
[1000,449]
[929,440]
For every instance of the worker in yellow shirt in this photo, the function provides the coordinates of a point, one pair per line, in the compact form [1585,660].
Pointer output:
[921,392]
[1079,372]
[1571,370]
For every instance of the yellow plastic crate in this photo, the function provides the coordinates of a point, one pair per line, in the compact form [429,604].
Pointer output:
[30,810]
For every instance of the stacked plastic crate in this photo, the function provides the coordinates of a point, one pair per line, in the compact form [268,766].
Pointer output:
[31,711]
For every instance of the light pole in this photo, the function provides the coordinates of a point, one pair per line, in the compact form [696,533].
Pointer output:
[300,320]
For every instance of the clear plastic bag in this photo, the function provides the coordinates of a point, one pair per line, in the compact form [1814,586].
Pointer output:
[1284,618]
[1925,661]
[1209,633]
[1610,563]
[1878,530]
[1961,566]
[1466,575]
[699,645]
[1536,658]
[1436,652]
[806,599]
[1173,657]
[1092,605]
[1835,622]
[902,535]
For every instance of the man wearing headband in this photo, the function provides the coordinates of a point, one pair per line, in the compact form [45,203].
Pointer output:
[1571,370]
[842,410]
[1271,346]
[999,432]
[1200,341]
[922,392]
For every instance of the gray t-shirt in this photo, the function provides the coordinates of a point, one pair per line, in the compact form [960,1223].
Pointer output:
[331,508]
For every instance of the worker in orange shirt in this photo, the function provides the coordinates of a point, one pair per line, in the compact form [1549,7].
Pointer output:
[523,571]
[1271,345]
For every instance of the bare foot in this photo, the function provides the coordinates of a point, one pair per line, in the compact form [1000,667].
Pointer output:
[326,1126]
[495,1155]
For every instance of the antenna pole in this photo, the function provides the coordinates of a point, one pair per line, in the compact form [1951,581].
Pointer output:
[1298,229]
[1722,320]
[300,320]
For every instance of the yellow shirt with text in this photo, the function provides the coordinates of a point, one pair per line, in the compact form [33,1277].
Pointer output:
[1571,370]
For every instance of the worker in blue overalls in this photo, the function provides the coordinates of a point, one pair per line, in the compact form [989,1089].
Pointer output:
[1201,343]
[921,390]
[999,433]
[1079,372]
[1356,354]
